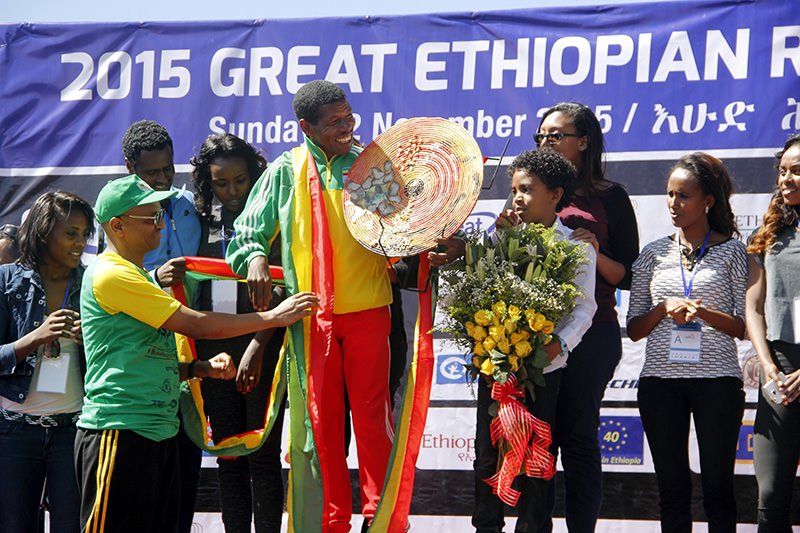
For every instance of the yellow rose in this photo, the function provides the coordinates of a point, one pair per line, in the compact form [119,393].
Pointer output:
[538,323]
[483,317]
[525,334]
[497,332]
[496,319]
[509,325]
[548,327]
[479,333]
[523,349]
[476,362]
[530,314]
[514,313]
[516,337]
[479,350]
[514,360]
[487,367]
[502,345]
[500,310]
[489,344]
[470,327]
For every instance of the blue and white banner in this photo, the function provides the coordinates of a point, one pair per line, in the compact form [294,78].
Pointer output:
[661,76]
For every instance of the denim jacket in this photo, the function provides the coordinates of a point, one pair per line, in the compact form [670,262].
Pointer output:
[22,309]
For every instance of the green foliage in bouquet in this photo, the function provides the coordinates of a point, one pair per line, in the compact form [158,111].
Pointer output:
[504,299]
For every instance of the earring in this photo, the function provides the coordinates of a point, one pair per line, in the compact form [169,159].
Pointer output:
[706,210]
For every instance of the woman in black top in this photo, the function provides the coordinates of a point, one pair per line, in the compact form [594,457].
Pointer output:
[224,172]
[601,214]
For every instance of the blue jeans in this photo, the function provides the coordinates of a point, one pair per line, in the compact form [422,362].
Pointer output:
[28,455]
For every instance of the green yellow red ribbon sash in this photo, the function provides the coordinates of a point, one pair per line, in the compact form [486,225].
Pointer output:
[192,408]
[305,342]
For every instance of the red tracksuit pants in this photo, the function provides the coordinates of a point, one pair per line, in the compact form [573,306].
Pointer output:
[359,361]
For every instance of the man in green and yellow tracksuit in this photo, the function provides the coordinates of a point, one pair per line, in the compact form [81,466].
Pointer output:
[343,348]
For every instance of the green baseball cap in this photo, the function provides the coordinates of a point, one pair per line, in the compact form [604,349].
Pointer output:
[121,194]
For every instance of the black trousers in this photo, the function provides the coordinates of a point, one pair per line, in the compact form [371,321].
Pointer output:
[487,516]
[716,405]
[251,486]
[128,483]
[583,383]
[776,448]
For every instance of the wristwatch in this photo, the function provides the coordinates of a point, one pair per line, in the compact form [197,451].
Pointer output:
[564,347]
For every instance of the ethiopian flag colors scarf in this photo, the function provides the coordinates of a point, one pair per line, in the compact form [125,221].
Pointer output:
[300,370]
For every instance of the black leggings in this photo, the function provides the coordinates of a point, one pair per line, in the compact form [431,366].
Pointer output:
[776,448]
[717,405]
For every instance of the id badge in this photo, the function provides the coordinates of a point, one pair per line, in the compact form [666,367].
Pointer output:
[53,374]
[684,343]
[223,296]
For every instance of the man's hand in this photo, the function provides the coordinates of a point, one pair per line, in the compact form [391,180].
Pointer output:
[455,249]
[218,367]
[172,272]
[259,283]
[294,308]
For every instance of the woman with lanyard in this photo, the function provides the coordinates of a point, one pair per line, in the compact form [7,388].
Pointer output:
[42,365]
[687,298]
[251,487]
[773,322]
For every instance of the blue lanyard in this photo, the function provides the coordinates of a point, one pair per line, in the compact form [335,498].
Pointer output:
[66,295]
[688,290]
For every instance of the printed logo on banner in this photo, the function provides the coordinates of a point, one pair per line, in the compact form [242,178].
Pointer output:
[621,440]
[450,369]
[744,448]
[479,221]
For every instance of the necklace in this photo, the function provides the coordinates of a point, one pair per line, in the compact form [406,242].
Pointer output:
[690,256]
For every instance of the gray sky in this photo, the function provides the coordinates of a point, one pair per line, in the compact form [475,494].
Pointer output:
[13,11]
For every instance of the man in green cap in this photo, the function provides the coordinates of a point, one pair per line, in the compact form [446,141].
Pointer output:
[125,449]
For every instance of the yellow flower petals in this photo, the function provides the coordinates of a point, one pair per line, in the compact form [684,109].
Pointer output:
[523,348]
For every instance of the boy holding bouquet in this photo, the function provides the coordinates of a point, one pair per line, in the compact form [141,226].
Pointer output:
[542,182]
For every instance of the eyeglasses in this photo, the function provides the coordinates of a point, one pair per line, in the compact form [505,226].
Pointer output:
[10,230]
[155,219]
[555,136]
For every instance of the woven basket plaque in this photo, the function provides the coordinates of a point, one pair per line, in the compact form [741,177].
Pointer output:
[416,182]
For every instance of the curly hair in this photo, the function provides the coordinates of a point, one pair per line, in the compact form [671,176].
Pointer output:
[713,178]
[222,146]
[779,215]
[312,96]
[145,135]
[552,168]
[587,125]
[48,209]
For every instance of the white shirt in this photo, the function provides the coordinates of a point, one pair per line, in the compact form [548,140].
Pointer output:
[572,328]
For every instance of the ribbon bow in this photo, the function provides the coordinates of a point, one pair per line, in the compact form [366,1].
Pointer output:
[527,437]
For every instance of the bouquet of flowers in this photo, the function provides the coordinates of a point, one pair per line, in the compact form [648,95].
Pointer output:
[504,299]
[502,303]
